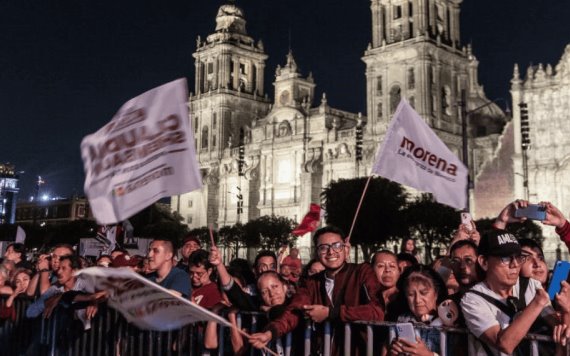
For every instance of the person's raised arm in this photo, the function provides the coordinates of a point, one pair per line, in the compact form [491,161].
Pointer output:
[216,260]
[507,215]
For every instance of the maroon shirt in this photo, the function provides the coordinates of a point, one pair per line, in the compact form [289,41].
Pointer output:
[207,295]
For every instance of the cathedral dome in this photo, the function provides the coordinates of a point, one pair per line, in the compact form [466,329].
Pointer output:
[230,18]
[482,107]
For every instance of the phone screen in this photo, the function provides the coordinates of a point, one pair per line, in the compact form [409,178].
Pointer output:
[533,212]
[561,269]
[406,331]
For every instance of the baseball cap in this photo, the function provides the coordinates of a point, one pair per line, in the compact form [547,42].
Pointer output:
[499,243]
[125,261]
[191,238]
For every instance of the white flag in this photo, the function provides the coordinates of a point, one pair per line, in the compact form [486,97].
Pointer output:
[145,153]
[144,303]
[413,155]
[20,235]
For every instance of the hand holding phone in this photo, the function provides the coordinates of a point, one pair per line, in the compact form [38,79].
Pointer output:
[406,331]
[467,221]
[560,273]
[532,211]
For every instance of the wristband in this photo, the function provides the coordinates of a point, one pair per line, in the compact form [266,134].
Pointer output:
[43,270]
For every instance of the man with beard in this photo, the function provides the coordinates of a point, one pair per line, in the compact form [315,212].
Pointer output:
[463,261]
[343,292]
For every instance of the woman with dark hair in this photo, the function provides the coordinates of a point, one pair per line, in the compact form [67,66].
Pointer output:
[409,246]
[421,290]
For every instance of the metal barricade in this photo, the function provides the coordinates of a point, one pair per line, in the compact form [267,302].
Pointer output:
[111,334]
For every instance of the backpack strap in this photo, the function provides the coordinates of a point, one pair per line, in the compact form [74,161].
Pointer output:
[510,311]
[523,285]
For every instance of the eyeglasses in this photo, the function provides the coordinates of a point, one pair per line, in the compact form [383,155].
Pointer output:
[538,258]
[507,260]
[324,248]
[197,274]
[458,261]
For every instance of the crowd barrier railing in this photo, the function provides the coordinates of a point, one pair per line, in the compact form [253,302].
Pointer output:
[110,334]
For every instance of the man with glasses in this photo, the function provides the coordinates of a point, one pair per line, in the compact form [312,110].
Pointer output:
[204,292]
[501,309]
[343,292]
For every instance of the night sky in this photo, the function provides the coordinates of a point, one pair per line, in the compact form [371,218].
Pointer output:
[66,66]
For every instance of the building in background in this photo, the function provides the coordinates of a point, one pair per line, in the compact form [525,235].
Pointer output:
[8,193]
[262,156]
[53,211]
[545,94]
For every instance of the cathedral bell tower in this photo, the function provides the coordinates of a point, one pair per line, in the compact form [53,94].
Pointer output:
[229,84]
[415,54]
[228,98]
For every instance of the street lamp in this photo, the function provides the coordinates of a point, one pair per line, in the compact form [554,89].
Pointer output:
[464,120]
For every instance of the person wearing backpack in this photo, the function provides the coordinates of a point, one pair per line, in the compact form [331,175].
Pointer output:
[502,308]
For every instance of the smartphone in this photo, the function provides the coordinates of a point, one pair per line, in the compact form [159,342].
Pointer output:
[406,331]
[467,220]
[560,273]
[532,211]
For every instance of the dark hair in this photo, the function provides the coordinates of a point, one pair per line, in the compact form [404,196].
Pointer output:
[328,229]
[74,261]
[19,248]
[168,244]
[403,245]
[200,258]
[264,253]
[103,256]
[241,269]
[463,243]
[402,256]
[401,303]
[16,272]
[533,245]
[67,246]
[386,252]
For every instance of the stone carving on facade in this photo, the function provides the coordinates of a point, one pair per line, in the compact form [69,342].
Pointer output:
[284,129]
[210,176]
[312,160]
[342,151]
[252,170]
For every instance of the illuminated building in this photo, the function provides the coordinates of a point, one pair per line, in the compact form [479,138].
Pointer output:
[8,193]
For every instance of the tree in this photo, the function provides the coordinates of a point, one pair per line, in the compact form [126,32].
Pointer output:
[158,220]
[527,229]
[380,218]
[232,236]
[431,221]
[269,232]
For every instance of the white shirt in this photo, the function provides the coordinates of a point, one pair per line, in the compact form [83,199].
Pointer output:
[480,315]
[329,286]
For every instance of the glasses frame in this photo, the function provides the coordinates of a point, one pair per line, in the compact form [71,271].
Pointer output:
[323,249]
[508,260]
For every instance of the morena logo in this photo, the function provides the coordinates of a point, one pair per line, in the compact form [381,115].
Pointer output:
[426,156]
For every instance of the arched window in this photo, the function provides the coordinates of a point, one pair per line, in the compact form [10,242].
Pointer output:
[379,110]
[395,95]
[411,79]
[204,137]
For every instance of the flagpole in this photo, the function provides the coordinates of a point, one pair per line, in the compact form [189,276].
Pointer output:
[358,208]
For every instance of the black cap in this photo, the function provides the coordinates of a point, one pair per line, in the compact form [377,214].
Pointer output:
[499,243]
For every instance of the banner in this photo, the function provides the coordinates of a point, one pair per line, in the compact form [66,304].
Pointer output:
[412,154]
[20,235]
[144,303]
[310,222]
[145,153]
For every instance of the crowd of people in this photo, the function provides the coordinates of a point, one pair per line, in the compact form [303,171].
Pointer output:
[492,284]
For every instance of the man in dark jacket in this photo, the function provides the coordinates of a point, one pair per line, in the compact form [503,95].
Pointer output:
[343,292]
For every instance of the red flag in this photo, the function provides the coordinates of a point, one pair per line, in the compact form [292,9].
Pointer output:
[310,221]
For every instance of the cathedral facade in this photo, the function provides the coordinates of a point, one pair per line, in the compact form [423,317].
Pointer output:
[545,90]
[294,144]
